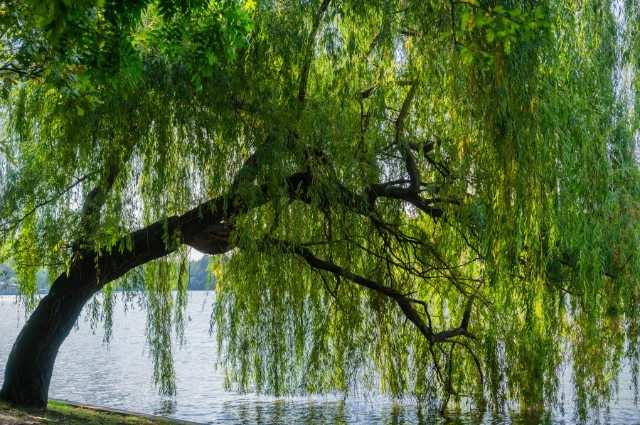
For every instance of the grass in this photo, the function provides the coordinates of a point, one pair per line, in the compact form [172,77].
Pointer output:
[59,413]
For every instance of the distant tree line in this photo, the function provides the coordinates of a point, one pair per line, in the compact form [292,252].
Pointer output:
[198,276]
[199,279]
[8,276]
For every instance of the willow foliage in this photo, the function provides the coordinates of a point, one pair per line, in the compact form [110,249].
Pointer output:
[431,199]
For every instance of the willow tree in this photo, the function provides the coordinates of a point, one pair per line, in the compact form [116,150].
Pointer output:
[427,199]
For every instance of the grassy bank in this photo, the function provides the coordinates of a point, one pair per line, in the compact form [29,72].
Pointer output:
[59,413]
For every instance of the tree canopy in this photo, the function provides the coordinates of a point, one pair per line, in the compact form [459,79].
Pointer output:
[431,199]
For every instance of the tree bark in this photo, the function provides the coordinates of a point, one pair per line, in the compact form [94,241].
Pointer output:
[205,228]
[30,365]
[32,358]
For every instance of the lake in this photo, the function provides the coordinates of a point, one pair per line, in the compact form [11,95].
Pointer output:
[119,376]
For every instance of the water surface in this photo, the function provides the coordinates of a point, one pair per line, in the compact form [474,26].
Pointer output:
[119,376]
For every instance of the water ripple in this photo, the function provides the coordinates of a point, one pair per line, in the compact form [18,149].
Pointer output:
[119,376]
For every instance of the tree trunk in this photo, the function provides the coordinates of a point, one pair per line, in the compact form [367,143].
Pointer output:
[30,365]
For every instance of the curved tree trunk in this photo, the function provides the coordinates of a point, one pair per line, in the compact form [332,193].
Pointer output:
[30,365]
[31,361]
[32,358]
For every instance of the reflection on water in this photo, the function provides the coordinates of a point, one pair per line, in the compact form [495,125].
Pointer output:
[166,407]
[119,376]
[350,412]
[343,413]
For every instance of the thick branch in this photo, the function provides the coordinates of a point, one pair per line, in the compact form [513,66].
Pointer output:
[203,228]
[97,197]
[423,148]
[10,67]
[93,204]
[467,312]
[306,65]
[388,191]
[405,303]
[412,168]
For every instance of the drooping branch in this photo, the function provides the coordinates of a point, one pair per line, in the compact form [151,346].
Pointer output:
[207,229]
[41,204]
[404,302]
[473,355]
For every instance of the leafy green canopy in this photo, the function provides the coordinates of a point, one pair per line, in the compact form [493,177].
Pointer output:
[83,47]
[430,199]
